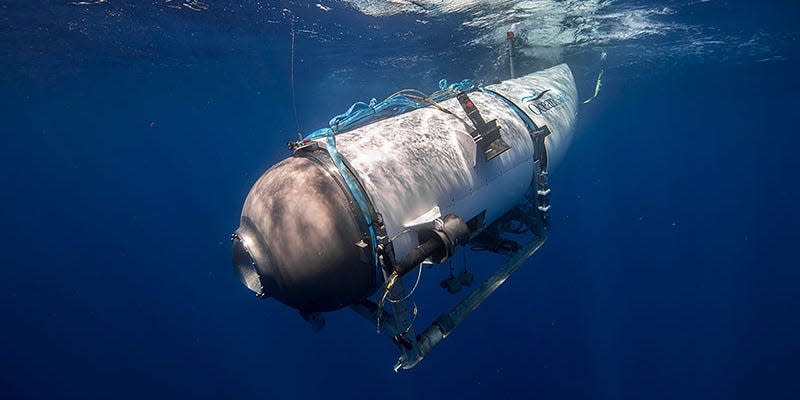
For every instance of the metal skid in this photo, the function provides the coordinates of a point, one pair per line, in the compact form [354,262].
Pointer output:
[397,320]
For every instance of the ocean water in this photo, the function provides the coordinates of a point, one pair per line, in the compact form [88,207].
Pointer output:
[132,132]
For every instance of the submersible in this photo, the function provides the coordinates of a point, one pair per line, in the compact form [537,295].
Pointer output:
[391,185]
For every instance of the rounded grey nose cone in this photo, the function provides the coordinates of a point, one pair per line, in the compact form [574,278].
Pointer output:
[298,237]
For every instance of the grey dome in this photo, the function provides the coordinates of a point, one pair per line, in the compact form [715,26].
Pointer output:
[297,238]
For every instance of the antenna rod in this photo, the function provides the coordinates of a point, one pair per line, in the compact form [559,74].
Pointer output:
[294,97]
[511,37]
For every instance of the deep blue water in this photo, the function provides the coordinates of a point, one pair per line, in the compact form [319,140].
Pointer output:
[132,133]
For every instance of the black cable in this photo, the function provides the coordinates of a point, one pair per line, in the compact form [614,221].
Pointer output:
[294,99]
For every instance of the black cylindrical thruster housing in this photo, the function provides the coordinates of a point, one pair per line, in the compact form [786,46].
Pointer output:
[436,244]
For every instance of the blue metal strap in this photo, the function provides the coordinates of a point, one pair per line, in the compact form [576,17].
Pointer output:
[353,186]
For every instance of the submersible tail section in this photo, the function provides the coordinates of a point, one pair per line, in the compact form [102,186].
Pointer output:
[360,204]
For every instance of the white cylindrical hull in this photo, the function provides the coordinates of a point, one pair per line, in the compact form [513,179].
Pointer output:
[423,163]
